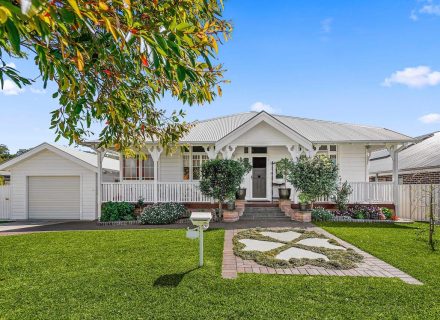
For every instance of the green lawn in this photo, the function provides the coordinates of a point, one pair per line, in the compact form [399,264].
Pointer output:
[149,274]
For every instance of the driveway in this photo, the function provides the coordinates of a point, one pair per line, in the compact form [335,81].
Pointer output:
[8,228]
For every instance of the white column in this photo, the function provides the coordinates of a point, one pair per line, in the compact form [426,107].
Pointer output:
[155,152]
[367,164]
[311,153]
[100,154]
[121,167]
[395,157]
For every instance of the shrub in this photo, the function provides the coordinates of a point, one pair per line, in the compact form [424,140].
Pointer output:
[321,214]
[342,195]
[316,177]
[221,178]
[387,213]
[361,212]
[163,213]
[117,211]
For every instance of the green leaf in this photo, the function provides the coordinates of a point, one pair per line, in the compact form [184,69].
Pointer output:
[183,26]
[181,73]
[13,36]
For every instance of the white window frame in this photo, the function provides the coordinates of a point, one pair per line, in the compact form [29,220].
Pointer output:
[327,152]
[190,154]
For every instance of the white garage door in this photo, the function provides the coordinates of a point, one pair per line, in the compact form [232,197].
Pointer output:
[54,197]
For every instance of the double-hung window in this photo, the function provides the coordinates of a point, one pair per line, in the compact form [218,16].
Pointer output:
[330,150]
[193,160]
[137,169]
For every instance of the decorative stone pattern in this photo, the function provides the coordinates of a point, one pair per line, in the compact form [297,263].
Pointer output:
[283,236]
[318,242]
[370,267]
[258,245]
[298,253]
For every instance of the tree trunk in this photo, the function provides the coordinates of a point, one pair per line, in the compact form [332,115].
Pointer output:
[220,208]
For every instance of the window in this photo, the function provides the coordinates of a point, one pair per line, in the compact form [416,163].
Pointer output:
[246,149]
[130,169]
[259,149]
[148,169]
[329,150]
[192,163]
[198,160]
[186,166]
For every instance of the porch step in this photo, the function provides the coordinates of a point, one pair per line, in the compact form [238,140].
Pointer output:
[263,213]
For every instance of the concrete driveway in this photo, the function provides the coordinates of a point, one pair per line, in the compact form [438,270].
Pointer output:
[26,226]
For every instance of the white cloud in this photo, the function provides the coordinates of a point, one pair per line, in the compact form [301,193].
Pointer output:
[413,16]
[11,65]
[38,91]
[430,118]
[433,9]
[10,88]
[260,106]
[415,77]
[326,25]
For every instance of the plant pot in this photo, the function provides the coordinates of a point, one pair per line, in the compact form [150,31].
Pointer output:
[230,205]
[240,194]
[284,193]
[304,207]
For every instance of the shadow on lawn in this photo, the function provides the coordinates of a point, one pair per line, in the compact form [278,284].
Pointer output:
[171,280]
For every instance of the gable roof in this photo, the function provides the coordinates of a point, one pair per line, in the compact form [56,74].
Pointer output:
[86,159]
[421,155]
[315,131]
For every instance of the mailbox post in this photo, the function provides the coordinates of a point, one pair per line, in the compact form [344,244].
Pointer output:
[201,221]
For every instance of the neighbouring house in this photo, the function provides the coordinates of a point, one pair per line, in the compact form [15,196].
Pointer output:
[261,138]
[419,163]
[53,182]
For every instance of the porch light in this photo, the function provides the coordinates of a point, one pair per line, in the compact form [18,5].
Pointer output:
[201,221]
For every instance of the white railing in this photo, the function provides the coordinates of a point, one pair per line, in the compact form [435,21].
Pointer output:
[5,202]
[367,192]
[129,192]
[166,192]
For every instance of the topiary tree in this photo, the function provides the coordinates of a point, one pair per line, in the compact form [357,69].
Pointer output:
[221,178]
[315,177]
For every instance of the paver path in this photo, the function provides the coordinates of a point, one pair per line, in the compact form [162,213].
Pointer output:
[370,267]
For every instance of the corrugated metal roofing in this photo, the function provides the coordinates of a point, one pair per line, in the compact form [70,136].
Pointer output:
[425,154]
[90,158]
[316,131]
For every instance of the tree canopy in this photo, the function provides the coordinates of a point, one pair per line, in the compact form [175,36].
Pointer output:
[221,178]
[314,177]
[113,61]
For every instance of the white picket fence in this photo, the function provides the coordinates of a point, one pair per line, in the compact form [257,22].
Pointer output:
[166,192]
[5,202]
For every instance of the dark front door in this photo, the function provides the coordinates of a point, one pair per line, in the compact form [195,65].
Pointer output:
[259,177]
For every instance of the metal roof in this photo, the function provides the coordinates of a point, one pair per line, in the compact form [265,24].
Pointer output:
[422,155]
[316,131]
[86,157]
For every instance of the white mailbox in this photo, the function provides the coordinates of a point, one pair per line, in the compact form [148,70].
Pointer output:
[201,220]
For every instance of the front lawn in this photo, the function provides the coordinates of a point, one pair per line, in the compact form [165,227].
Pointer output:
[149,274]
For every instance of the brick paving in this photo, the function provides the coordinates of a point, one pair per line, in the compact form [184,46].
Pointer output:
[370,267]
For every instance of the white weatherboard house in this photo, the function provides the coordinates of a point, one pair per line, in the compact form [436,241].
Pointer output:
[261,138]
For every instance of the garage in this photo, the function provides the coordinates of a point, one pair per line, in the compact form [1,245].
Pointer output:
[51,182]
[53,197]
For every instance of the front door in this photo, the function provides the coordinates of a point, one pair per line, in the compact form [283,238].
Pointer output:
[259,177]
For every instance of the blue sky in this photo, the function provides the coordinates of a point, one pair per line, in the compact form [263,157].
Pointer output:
[368,62]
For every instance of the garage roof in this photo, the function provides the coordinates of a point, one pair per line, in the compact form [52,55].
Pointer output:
[81,157]
[422,155]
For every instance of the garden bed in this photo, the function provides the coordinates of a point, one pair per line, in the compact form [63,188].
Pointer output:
[272,248]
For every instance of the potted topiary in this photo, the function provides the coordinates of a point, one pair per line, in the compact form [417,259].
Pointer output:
[283,168]
[240,194]
[304,201]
